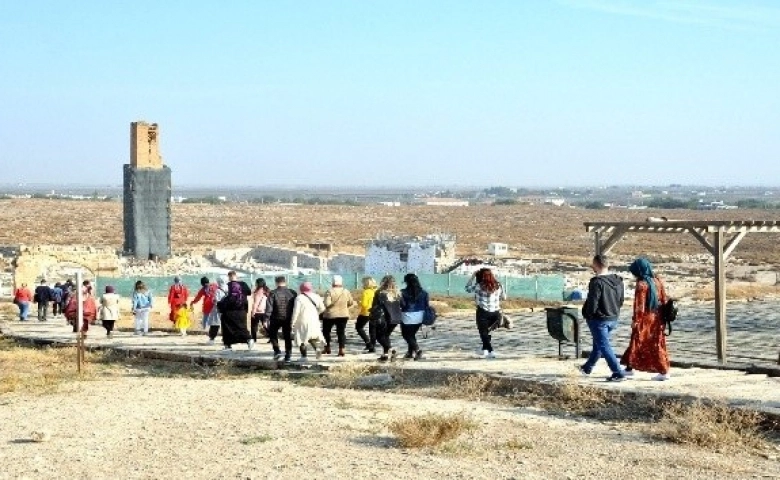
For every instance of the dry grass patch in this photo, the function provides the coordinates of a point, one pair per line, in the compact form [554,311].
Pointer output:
[37,370]
[469,387]
[716,427]
[430,430]
[345,375]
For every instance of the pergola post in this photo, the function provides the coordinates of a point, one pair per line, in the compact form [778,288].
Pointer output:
[720,294]
[597,242]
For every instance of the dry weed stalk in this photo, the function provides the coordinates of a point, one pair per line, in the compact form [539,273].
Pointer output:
[469,387]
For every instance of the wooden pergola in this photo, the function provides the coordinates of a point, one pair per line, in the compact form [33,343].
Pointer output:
[720,238]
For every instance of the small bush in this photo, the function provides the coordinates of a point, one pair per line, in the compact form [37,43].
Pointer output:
[717,427]
[254,440]
[430,430]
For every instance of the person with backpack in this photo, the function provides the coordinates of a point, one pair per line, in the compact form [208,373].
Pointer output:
[646,350]
[414,303]
[206,293]
[22,298]
[177,298]
[278,313]
[56,300]
[386,313]
[364,317]
[259,306]
[234,309]
[142,305]
[306,320]
[602,312]
[488,294]
[338,301]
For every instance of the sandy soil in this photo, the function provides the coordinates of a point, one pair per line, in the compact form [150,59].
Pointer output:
[131,425]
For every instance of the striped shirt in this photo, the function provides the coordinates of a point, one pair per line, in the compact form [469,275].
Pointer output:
[489,302]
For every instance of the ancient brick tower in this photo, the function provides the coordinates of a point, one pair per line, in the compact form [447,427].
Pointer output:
[147,197]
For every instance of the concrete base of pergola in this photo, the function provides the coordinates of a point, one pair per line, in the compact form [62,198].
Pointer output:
[720,238]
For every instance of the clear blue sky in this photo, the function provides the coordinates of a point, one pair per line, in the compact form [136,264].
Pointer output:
[394,92]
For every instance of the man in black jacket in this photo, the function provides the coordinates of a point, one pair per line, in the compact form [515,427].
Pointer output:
[602,311]
[43,295]
[279,312]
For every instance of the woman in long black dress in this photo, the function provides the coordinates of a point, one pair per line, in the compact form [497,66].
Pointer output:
[234,309]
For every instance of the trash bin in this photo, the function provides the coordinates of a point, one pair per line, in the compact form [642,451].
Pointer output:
[563,324]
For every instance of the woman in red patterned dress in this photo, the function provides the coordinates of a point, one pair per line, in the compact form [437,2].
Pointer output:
[647,350]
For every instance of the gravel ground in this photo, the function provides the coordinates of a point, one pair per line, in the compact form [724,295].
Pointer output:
[131,425]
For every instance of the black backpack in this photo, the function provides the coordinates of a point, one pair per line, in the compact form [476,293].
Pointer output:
[669,314]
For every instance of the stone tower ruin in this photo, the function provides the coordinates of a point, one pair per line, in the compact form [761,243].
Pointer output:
[147,196]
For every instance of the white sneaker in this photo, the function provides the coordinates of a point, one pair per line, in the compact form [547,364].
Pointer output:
[628,373]
[485,354]
[491,355]
[211,342]
[251,344]
[661,377]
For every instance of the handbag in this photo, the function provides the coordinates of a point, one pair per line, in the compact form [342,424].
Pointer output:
[429,316]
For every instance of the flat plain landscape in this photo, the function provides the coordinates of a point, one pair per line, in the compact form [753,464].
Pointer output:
[528,230]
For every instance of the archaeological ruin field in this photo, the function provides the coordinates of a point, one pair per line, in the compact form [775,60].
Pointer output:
[530,231]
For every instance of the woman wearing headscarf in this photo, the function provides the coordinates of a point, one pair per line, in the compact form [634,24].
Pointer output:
[109,310]
[306,320]
[646,351]
[213,320]
[259,305]
[337,302]
[234,309]
[177,298]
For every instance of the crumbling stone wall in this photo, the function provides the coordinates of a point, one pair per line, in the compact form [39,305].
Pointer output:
[33,262]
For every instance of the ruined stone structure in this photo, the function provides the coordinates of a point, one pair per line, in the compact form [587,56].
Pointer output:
[56,262]
[147,196]
[392,254]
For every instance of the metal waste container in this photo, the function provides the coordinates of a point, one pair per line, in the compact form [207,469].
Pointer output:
[563,324]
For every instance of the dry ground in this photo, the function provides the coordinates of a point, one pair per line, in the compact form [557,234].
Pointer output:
[129,419]
[529,230]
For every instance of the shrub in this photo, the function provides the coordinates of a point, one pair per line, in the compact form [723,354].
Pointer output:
[430,430]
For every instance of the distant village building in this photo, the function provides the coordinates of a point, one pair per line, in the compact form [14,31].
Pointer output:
[444,202]
[498,249]
[536,200]
[403,254]
[716,206]
[390,204]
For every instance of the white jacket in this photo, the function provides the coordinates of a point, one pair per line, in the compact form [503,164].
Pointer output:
[306,318]
[109,307]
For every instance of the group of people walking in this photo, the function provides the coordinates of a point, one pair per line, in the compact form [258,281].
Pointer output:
[306,320]
[647,350]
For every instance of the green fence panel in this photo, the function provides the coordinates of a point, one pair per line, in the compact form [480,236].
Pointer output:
[541,287]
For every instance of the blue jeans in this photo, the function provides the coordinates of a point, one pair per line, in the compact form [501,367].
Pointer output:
[600,330]
[24,310]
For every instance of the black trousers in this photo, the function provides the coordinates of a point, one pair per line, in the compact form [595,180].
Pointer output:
[360,328]
[213,331]
[341,330]
[108,325]
[485,320]
[255,324]
[56,308]
[273,334]
[383,336]
[409,332]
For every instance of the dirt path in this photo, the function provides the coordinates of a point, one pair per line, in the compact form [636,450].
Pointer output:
[131,425]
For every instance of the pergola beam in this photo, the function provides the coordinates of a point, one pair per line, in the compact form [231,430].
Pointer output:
[732,244]
[702,238]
